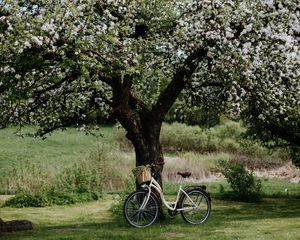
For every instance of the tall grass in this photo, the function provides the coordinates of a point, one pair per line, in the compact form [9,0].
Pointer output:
[201,165]
[199,149]
[83,180]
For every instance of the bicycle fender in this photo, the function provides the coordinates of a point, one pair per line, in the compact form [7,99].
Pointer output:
[201,188]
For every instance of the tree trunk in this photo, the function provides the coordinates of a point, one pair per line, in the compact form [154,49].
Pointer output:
[143,124]
[151,153]
[148,149]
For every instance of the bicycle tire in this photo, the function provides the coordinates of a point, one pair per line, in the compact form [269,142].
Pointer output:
[137,217]
[201,213]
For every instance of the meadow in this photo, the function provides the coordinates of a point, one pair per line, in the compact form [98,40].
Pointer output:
[71,162]
[60,149]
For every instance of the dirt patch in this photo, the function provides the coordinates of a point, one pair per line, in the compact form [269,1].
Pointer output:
[199,173]
[261,167]
[287,171]
[258,163]
[270,169]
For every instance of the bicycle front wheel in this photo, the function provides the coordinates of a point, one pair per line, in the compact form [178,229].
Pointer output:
[196,206]
[137,215]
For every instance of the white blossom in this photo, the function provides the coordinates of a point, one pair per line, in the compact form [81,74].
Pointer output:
[269,2]
[38,40]
[27,44]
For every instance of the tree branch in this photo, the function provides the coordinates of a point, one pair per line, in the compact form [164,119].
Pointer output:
[70,78]
[137,103]
[177,84]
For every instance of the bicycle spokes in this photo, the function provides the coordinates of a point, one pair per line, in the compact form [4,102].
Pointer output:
[196,207]
[141,210]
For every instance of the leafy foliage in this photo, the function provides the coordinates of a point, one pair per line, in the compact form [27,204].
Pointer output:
[204,116]
[49,198]
[62,62]
[242,181]
[295,155]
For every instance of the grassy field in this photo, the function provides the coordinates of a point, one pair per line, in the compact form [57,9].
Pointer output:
[276,219]
[60,149]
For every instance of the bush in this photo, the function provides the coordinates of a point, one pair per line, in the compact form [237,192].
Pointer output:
[26,200]
[227,137]
[242,181]
[49,198]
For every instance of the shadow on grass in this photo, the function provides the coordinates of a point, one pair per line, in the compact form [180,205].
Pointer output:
[268,209]
[229,210]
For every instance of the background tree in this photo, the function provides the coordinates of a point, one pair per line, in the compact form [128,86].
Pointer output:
[61,60]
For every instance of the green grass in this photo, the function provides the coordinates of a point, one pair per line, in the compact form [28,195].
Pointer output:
[58,150]
[270,188]
[274,219]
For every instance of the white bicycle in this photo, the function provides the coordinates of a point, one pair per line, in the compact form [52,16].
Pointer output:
[141,208]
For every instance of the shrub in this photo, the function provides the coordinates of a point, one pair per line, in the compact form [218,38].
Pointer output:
[242,181]
[227,137]
[49,198]
[26,200]
[221,138]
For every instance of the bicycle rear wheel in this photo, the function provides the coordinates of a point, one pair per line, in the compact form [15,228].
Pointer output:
[136,216]
[197,206]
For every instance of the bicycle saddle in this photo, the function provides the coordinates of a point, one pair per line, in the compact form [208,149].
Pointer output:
[184,174]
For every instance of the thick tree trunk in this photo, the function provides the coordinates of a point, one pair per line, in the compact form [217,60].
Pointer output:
[151,153]
[143,124]
[148,149]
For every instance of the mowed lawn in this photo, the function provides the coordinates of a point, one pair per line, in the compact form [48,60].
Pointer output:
[273,219]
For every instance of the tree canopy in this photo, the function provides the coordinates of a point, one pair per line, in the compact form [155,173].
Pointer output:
[61,60]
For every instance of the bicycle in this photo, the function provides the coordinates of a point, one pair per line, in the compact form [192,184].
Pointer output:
[141,208]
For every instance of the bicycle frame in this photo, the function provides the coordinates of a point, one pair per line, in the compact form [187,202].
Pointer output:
[154,184]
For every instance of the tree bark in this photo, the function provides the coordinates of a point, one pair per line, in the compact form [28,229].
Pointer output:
[143,125]
[148,149]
